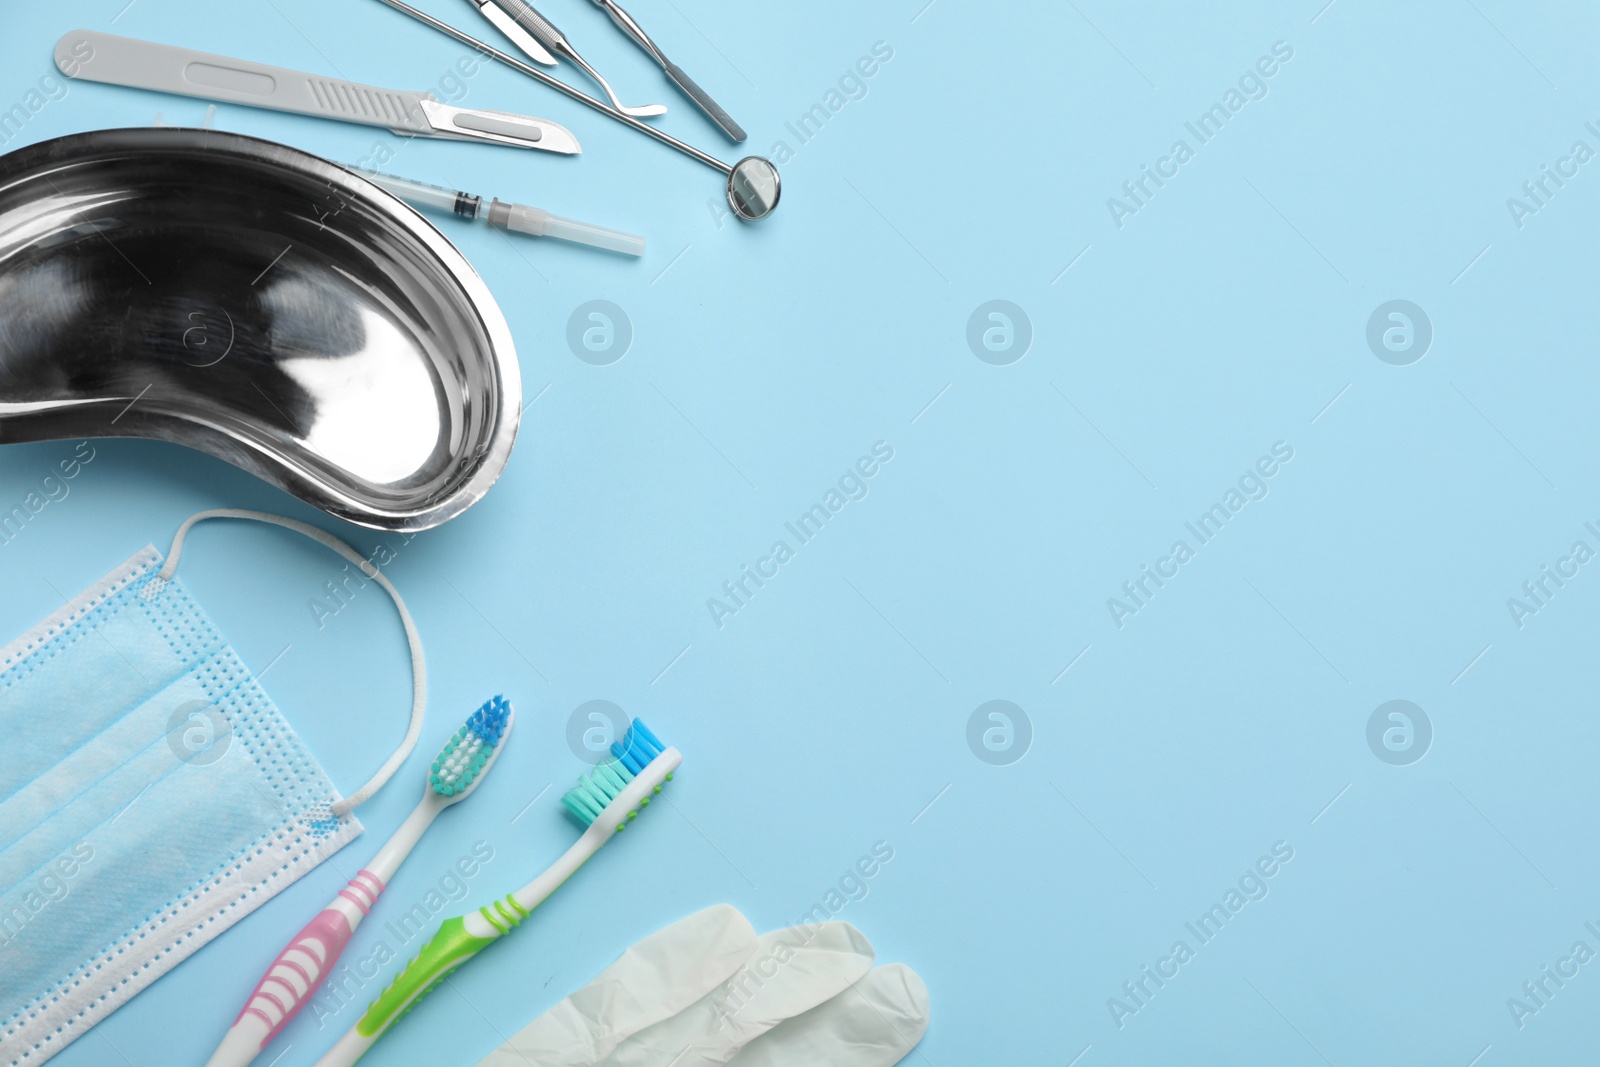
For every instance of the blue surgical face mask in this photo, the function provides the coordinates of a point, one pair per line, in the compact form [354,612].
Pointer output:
[151,795]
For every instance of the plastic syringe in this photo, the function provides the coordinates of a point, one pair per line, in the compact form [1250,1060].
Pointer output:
[518,218]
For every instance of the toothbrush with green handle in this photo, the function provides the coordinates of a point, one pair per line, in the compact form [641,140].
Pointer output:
[606,800]
[294,976]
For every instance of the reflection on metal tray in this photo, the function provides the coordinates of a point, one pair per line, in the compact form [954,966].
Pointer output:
[257,303]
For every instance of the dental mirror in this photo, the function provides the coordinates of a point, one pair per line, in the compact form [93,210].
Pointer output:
[753,184]
[753,188]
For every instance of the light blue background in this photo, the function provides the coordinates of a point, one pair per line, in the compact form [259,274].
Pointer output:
[1228,314]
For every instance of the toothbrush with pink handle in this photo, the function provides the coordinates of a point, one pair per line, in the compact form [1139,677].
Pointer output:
[300,968]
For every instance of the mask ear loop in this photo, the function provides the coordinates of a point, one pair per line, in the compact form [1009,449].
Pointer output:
[419,668]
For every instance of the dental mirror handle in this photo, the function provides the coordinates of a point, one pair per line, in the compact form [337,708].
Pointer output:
[166,68]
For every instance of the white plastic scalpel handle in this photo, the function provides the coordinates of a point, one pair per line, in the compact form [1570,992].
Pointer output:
[125,61]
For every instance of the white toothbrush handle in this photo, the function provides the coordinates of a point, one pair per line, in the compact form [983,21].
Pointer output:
[350,1048]
[164,68]
[404,839]
[300,968]
[538,891]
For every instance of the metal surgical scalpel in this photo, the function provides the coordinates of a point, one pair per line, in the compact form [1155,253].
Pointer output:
[164,68]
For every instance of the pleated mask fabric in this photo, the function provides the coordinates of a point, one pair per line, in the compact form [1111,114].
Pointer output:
[151,796]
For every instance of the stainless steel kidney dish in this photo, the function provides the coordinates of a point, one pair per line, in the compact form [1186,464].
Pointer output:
[258,303]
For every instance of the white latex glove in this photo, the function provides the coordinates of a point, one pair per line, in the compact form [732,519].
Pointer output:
[706,991]
[654,980]
[874,1023]
[792,972]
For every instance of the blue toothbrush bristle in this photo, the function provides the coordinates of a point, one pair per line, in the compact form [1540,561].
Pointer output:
[489,722]
[458,765]
[638,747]
[588,799]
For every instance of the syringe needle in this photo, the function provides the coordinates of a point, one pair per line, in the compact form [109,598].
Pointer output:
[517,218]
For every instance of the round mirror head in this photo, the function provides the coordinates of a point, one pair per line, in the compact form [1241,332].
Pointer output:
[753,188]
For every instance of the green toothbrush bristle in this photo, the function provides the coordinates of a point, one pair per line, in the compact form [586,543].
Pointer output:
[588,800]
[459,764]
